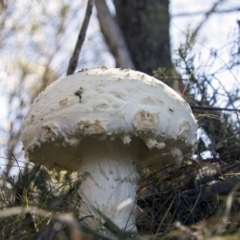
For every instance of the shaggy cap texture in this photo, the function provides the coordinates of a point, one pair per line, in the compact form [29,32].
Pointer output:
[106,103]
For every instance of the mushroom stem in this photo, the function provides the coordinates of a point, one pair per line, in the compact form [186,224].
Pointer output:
[109,182]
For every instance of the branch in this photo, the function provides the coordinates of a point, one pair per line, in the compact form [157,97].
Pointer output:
[74,59]
[202,12]
[63,218]
[207,15]
[213,191]
[193,183]
[191,202]
[113,36]
[215,109]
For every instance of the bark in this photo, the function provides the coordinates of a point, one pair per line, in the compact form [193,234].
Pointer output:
[145,25]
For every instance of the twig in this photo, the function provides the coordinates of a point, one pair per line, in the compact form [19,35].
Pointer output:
[11,157]
[64,218]
[187,14]
[211,192]
[113,36]
[207,15]
[192,183]
[215,109]
[81,37]
[188,231]
[215,176]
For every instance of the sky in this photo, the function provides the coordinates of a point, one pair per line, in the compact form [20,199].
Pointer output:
[213,35]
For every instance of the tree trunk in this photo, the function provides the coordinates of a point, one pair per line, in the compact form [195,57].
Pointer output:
[145,26]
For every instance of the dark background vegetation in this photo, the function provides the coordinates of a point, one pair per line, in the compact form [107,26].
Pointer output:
[36,44]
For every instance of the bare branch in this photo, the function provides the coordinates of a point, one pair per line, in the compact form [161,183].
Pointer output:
[192,182]
[219,173]
[214,109]
[213,191]
[81,37]
[64,218]
[113,36]
[231,10]
[207,15]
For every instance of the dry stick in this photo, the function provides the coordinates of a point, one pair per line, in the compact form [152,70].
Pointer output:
[187,14]
[214,109]
[207,15]
[213,191]
[64,218]
[74,59]
[192,183]
[113,36]
[187,230]
[219,173]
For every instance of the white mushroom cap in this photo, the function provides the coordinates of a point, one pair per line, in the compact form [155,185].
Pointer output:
[104,103]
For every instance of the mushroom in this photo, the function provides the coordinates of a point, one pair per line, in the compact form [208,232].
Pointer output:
[105,123]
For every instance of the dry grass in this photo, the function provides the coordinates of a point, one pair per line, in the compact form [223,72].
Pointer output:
[196,201]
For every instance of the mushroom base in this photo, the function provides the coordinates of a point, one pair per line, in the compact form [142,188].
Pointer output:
[109,183]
